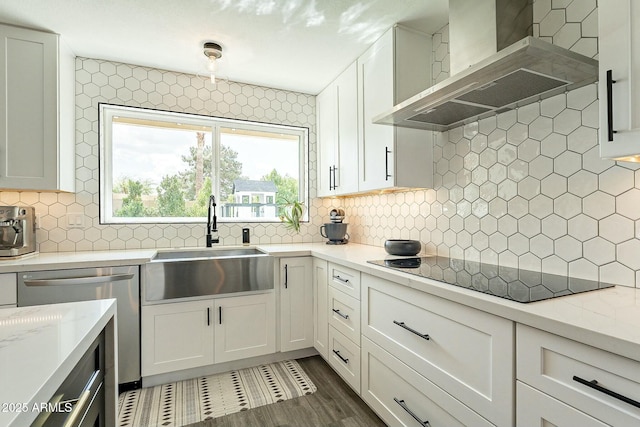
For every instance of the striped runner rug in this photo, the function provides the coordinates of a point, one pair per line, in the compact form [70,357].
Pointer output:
[190,401]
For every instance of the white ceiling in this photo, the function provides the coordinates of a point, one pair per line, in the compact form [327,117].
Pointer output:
[298,45]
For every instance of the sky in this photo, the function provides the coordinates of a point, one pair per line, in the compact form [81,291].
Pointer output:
[149,153]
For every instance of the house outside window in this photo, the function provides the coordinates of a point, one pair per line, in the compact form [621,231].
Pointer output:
[161,167]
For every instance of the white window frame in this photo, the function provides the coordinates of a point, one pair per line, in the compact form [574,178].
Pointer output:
[108,111]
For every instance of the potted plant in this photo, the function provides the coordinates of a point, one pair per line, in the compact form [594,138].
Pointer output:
[291,214]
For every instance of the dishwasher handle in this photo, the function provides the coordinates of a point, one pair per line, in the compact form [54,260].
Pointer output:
[88,280]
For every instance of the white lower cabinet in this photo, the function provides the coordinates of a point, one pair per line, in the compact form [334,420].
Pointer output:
[184,335]
[320,307]
[594,382]
[466,352]
[344,358]
[176,336]
[402,397]
[537,409]
[296,303]
[244,327]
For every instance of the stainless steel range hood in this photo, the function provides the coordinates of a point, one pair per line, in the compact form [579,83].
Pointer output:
[524,72]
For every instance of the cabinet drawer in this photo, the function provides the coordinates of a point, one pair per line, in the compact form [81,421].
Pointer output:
[555,365]
[344,357]
[346,279]
[344,314]
[537,409]
[467,352]
[401,396]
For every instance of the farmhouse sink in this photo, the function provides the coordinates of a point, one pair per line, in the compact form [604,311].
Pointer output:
[182,254]
[189,273]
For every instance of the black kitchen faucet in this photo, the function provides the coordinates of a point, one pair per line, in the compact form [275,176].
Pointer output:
[212,226]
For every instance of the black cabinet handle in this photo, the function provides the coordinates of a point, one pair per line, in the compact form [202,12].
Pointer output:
[344,359]
[286,276]
[335,185]
[386,163]
[610,83]
[413,331]
[594,385]
[410,412]
[208,316]
[220,314]
[344,316]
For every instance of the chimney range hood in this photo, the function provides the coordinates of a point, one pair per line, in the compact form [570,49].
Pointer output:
[521,73]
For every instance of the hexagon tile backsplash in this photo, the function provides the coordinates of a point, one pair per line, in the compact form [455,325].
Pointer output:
[124,84]
[526,188]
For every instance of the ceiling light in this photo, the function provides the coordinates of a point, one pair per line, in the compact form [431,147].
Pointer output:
[213,51]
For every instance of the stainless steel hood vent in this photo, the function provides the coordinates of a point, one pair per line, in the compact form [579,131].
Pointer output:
[522,73]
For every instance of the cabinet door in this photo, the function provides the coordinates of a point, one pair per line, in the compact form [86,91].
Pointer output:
[245,327]
[320,307]
[375,96]
[619,52]
[37,131]
[326,104]
[28,93]
[296,303]
[346,175]
[176,336]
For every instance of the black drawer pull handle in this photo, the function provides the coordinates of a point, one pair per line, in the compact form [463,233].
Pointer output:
[340,279]
[610,83]
[413,331]
[410,412]
[344,359]
[344,316]
[594,385]
[220,314]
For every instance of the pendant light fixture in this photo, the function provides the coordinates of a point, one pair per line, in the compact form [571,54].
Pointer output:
[213,51]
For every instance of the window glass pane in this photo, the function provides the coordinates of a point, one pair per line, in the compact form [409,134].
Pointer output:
[259,172]
[160,169]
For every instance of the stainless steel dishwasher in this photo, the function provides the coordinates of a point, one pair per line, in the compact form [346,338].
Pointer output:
[85,284]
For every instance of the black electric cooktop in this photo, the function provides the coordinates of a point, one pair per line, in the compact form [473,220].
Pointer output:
[511,283]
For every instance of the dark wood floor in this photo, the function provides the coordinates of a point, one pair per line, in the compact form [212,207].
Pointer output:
[334,404]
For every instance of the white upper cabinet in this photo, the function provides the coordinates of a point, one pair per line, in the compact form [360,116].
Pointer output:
[337,107]
[395,68]
[37,91]
[619,58]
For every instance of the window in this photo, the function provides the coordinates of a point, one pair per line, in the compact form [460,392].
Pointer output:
[161,167]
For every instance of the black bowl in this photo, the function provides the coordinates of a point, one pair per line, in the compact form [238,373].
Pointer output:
[402,247]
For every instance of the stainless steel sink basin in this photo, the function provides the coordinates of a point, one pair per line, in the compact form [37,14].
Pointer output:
[190,273]
[205,253]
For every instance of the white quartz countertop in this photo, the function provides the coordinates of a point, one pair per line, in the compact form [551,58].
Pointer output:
[39,346]
[64,260]
[606,318]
